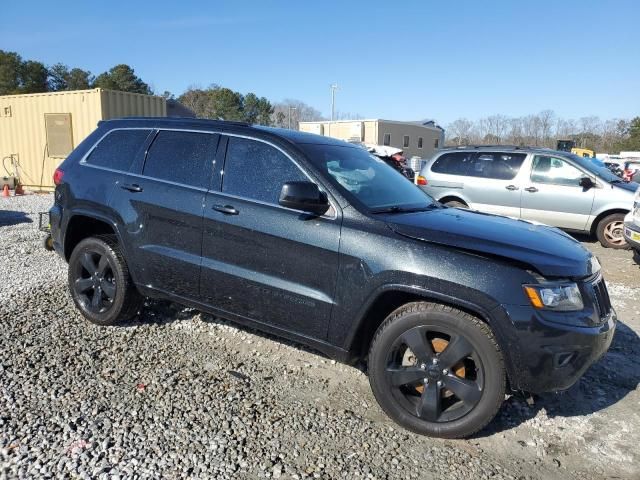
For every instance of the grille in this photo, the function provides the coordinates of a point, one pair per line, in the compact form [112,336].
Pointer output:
[601,295]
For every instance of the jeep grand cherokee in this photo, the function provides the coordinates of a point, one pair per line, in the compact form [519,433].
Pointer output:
[315,240]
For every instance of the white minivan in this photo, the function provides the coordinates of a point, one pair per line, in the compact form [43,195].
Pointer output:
[551,187]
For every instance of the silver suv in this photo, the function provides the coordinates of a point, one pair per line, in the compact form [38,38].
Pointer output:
[547,186]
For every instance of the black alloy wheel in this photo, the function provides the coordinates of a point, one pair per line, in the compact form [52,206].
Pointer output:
[94,282]
[435,374]
[100,283]
[437,370]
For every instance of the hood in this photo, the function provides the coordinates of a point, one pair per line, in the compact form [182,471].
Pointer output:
[630,186]
[548,250]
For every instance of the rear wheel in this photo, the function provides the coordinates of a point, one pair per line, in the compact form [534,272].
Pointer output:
[609,231]
[100,283]
[436,370]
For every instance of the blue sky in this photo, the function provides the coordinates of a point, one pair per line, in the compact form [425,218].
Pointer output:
[398,60]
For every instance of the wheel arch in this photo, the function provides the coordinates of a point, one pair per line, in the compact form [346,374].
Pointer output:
[83,224]
[602,215]
[390,297]
[453,198]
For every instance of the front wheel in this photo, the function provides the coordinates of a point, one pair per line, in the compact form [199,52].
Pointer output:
[436,370]
[609,231]
[100,283]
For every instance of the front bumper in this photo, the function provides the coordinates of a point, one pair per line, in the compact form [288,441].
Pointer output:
[545,356]
[631,232]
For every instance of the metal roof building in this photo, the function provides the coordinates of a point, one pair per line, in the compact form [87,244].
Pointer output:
[38,131]
[419,139]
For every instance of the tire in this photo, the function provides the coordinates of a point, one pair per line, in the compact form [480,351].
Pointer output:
[434,408]
[456,204]
[609,231]
[106,295]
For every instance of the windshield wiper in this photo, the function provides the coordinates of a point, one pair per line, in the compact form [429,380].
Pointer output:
[398,209]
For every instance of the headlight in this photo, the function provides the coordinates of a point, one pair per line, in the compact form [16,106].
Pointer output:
[561,298]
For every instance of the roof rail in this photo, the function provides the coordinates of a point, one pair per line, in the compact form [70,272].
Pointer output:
[186,120]
[514,147]
[491,146]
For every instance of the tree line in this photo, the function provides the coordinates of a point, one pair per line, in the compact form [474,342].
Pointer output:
[544,129]
[19,76]
[30,76]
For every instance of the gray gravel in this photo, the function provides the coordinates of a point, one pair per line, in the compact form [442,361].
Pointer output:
[177,393]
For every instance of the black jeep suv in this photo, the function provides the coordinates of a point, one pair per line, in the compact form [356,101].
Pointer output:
[315,240]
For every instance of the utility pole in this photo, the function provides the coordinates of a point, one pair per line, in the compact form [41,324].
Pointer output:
[290,109]
[333,87]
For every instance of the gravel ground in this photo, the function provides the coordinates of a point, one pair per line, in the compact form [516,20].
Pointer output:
[178,393]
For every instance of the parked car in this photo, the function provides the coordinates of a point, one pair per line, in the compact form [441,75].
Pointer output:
[632,171]
[632,224]
[552,187]
[313,239]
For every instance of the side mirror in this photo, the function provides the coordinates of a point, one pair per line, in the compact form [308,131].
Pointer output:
[305,196]
[587,183]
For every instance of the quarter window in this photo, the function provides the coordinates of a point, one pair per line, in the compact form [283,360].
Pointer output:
[454,163]
[118,149]
[405,141]
[257,170]
[182,157]
[555,171]
[386,139]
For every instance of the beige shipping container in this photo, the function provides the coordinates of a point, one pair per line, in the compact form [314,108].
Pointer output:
[38,131]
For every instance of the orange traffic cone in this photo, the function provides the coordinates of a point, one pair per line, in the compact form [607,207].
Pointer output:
[19,190]
[5,190]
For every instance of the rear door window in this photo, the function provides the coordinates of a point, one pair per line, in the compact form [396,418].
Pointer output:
[182,157]
[118,149]
[555,171]
[453,163]
[257,171]
[497,165]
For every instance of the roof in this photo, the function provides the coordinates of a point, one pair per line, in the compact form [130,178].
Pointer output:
[421,123]
[498,147]
[293,136]
[74,92]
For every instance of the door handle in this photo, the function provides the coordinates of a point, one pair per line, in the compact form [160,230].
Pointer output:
[132,187]
[226,209]
[511,187]
[531,189]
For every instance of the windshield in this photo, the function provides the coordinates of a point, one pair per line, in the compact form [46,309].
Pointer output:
[588,164]
[366,178]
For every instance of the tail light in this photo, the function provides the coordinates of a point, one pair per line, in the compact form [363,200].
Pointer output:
[421,180]
[57,176]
